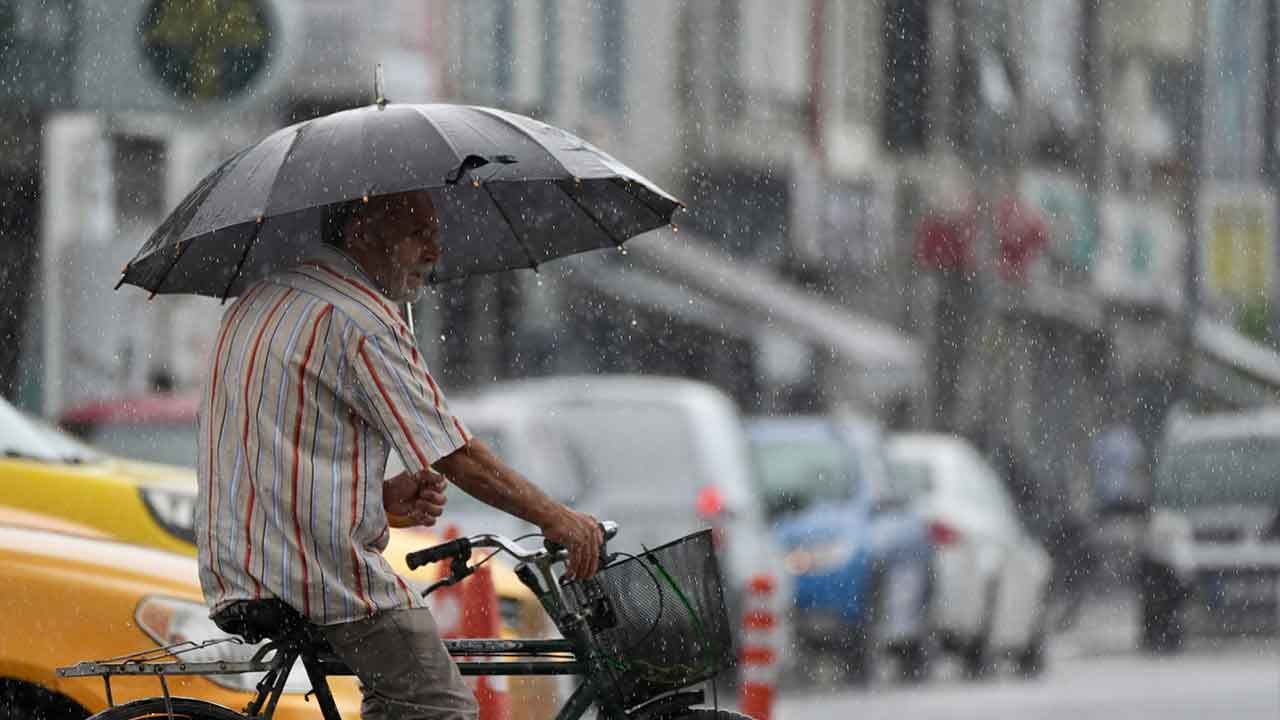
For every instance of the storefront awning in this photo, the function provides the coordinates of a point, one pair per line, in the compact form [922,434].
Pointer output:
[692,279]
[1233,368]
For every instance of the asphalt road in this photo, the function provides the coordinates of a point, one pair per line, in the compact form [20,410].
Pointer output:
[1240,679]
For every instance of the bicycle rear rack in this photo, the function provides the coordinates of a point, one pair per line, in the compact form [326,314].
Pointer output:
[167,660]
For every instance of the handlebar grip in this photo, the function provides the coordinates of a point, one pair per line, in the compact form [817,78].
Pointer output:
[607,527]
[436,553]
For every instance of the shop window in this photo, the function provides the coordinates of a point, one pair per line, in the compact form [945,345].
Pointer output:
[139,164]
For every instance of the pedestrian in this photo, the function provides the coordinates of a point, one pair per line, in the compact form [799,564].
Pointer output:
[1117,462]
[315,378]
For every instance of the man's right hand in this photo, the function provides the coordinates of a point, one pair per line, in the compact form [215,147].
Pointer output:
[580,534]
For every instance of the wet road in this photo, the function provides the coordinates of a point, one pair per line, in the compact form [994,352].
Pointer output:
[1239,680]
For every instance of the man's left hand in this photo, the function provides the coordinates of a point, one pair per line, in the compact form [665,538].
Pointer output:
[414,498]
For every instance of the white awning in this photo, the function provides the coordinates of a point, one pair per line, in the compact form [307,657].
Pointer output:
[1233,366]
[692,279]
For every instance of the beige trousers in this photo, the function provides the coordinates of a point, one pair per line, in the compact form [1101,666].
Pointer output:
[404,670]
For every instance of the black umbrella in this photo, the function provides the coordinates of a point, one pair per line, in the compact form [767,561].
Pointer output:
[510,192]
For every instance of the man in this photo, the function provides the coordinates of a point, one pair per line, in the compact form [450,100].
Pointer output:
[314,379]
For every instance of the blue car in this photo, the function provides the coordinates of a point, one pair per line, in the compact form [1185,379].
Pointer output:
[859,555]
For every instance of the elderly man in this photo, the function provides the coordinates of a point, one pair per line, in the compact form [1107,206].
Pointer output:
[315,378]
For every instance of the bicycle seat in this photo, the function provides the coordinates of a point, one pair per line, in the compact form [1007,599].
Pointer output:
[258,620]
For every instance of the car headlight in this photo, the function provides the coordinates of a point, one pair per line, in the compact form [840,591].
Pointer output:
[174,510]
[817,558]
[170,620]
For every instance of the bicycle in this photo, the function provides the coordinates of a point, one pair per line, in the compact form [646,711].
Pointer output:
[640,634]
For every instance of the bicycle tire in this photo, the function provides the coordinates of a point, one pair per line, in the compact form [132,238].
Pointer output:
[155,709]
[709,714]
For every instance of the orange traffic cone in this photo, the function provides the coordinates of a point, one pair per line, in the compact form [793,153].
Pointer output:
[481,619]
[758,659]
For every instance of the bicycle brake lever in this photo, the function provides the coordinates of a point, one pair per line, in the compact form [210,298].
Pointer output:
[457,573]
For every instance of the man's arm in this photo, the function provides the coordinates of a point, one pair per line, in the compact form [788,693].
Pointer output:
[482,475]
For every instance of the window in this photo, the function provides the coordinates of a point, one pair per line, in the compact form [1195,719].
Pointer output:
[550,60]
[609,30]
[906,74]
[139,169]
[487,51]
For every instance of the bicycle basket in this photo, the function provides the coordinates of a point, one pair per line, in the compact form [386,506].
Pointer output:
[659,618]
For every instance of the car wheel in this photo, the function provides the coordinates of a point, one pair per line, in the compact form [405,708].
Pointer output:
[975,655]
[24,701]
[1161,602]
[864,641]
[915,661]
[1029,663]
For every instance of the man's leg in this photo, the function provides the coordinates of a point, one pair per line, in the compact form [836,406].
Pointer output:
[404,669]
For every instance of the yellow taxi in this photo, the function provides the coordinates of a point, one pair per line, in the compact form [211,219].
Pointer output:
[45,470]
[71,595]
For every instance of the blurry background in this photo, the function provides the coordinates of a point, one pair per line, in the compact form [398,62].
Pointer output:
[987,217]
[1019,221]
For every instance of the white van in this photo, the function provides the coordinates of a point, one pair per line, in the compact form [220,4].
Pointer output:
[661,456]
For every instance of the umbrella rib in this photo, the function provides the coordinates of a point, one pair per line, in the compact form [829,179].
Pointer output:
[591,216]
[182,249]
[644,201]
[257,226]
[528,252]
[257,230]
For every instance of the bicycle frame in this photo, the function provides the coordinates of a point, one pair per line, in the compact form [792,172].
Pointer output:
[574,654]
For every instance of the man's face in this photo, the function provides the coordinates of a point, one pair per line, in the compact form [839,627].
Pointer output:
[397,243]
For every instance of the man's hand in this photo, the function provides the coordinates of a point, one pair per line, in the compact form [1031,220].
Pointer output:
[580,534]
[414,499]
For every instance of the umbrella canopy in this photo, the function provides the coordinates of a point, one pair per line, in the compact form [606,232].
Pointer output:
[509,191]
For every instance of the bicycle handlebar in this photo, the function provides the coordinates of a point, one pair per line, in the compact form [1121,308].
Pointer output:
[461,548]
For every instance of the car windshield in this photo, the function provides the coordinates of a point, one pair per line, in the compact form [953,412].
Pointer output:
[639,452]
[1234,471]
[911,478]
[24,437]
[168,443]
[797,473]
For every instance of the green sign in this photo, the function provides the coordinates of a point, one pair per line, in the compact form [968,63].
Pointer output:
[206,50]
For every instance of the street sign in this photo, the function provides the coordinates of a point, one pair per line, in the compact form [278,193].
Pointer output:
[1237,241]
[208,50]
[1141,257]
[1072,218]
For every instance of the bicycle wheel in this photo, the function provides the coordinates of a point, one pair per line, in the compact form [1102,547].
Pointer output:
[709,714]
[155,709]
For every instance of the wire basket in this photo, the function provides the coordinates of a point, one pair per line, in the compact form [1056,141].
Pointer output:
[659,618]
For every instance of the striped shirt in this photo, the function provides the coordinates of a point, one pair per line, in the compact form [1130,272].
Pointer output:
[314,379]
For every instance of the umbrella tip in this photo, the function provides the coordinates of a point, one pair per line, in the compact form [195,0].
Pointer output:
[379,90]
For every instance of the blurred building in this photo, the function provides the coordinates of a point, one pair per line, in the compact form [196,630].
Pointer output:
[1007,218]
[113,111]
[1028,215]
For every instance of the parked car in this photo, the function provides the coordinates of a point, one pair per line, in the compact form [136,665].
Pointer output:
[661,456]
[70,595]
[858,552]
[1209,560]
[991,577]
[45,470]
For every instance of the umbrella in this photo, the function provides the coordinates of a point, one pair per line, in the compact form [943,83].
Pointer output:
[510,192]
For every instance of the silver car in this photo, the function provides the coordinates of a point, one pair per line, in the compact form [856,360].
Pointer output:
[1210,556]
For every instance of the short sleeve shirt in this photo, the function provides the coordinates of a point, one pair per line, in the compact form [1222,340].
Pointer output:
[314,380]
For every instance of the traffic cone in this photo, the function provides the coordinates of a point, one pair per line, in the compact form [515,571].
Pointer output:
[481,619]
[470,610]
[758,659]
